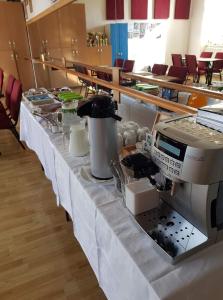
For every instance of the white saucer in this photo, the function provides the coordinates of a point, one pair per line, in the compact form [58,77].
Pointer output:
[85,173]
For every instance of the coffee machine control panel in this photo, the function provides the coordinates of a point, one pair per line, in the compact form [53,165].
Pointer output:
[168,154]
[187,151]
[169,165]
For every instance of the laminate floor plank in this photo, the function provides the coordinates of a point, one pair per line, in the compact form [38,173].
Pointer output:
[39,256]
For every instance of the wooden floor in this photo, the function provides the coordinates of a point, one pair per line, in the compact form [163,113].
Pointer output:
[39,256]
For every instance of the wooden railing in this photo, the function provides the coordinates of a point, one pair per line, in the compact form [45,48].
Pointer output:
[147,98]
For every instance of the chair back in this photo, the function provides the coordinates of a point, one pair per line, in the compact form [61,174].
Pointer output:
[15,100]
[206,54]
[119,62]
[179,72]
[1,80]
[191,63]
[83,70]
[8,90]
[217,66]
[159,69]
[128,65]
[202,65]
[177,60]
[104,76]
[219,55]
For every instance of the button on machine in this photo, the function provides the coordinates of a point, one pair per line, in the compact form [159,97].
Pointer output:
[177,165]
[172,162]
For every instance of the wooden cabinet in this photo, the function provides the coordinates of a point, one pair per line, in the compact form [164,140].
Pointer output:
[4,20]
[17,29]
[72,26]
[73,32]
[35,40]
[14,47]
[105,55]
[78,55]
[62,34]
[99,56]
[49,31]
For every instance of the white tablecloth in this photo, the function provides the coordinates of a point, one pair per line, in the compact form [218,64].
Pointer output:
[121,255]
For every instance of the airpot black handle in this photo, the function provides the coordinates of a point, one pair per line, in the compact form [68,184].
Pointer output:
[116,117]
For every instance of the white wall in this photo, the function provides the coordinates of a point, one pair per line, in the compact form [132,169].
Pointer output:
[197,12]
[177,35]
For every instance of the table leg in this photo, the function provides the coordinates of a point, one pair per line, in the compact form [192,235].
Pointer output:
[209,77]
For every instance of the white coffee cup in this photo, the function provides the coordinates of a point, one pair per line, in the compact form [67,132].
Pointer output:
[130,137]
[141,135]
[132,126]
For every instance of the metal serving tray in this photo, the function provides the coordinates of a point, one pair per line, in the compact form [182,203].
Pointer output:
[173,235]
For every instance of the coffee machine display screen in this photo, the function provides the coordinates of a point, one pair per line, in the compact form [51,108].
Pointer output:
[170,147]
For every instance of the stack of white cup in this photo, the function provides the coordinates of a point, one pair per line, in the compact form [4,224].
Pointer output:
[129,133]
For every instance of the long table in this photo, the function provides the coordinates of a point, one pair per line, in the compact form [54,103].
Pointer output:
[122,256]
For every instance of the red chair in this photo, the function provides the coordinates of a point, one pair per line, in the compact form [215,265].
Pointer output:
[8,91]
[177,60]
[179,72]
[159,69]
[1,80]
[219,55]
[10,121]
[128,65]
[88,85]
[217,66]
[192,68]
[106,77]
[202,65]
[119,62]
[7,95]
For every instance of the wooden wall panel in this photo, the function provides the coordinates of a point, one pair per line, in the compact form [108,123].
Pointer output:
[161,9]
[182,9]
[139,9]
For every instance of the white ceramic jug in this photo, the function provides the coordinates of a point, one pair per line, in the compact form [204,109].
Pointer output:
[78,145]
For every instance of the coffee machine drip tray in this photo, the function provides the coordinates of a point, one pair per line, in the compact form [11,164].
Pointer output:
[173,235]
